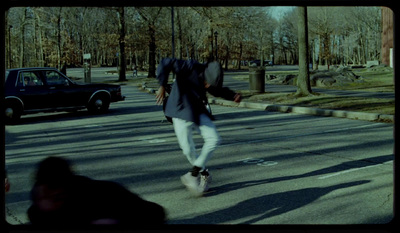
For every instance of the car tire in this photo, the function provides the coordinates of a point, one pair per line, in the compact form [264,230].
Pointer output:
[99,104]
[12,112]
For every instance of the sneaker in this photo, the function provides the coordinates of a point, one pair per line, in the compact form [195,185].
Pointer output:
[205,180]
[192,184]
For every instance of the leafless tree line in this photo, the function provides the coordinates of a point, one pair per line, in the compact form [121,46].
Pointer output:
[59,36]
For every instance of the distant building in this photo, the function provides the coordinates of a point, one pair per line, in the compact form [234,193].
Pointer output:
[387,36]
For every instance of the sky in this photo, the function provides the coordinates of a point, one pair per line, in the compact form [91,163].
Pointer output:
[279,11]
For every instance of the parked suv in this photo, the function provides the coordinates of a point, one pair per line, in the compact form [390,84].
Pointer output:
[32,90]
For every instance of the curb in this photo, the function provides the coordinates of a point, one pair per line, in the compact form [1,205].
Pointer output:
[308,111]
[300,110]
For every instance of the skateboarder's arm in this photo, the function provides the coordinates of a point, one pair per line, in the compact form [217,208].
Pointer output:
[164,68]
[182,69]
[224,92]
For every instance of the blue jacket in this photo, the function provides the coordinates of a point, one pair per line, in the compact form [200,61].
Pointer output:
[188,95]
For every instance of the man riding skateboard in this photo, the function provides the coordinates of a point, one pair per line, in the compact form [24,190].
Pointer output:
[186,106]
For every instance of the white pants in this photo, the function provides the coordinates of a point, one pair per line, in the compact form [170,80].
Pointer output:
[184,133]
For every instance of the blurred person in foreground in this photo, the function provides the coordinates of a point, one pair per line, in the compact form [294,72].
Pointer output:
[7,189]
[62,199]
[186,105]
[6,183]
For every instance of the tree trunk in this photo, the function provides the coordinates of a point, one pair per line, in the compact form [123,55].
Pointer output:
[303,80]
[240,55]
[136,59]
[227,57]
[180,36]
[152,52]
[121,42]
[40,55]
[59,46]
[22,41]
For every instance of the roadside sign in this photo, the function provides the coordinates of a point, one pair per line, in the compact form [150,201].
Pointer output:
[86,56]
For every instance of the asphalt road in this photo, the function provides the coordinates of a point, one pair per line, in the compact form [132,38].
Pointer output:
[271,168]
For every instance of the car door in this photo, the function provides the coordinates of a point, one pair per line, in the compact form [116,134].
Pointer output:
[32,90]
[62,92]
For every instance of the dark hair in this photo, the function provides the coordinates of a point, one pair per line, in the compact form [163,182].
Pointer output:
[53,171]
[213,74]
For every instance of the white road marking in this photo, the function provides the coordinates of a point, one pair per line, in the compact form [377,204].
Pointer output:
[268,163]
[259,162]
[352,170]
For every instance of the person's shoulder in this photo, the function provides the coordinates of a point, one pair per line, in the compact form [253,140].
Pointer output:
[197,65]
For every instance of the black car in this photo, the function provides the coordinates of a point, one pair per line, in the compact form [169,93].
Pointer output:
[33,90]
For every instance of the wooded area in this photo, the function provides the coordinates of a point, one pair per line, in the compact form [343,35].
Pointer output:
[58,36]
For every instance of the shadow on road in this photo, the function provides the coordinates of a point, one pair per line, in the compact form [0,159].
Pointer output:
[345,166]
[84,114]
[266,206]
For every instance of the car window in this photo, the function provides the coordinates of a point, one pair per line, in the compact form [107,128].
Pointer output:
[56,79]
[7,72]
[29,79]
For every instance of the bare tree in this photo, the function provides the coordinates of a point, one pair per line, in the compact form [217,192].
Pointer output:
[38,26]
[43,35]
[121,42]
[303,80]
[150,16]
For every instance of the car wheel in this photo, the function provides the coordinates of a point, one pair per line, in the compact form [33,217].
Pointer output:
[12,113]
[99,104]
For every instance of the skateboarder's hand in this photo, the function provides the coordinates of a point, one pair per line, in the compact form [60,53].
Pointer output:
[160,95]
[237,98]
